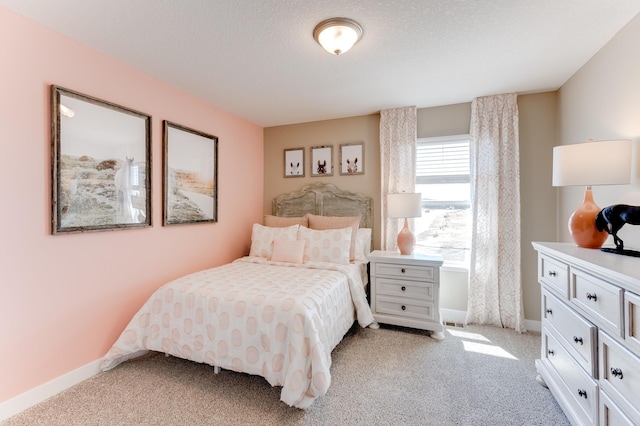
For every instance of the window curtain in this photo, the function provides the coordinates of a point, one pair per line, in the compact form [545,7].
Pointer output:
[398,164]
[495,287]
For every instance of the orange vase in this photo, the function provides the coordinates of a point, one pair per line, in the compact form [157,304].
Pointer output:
[582,224]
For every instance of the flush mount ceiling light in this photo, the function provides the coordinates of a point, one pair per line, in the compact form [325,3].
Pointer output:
[337,35]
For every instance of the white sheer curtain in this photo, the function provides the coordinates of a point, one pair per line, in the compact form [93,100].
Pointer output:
[495,287]
[398,163]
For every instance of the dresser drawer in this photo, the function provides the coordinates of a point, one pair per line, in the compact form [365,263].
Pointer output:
[424,273]
[578,334]
[555,274]
[407,308]
[619,374]
[612,415]
[632,320]
[404,288]
[600,300]
[580,387]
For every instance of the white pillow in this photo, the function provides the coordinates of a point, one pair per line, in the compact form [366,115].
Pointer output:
[291,251]
[262,238]
[363,243]
[329,245]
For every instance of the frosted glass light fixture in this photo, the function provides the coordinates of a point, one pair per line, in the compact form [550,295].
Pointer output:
[337,35]
[588,164]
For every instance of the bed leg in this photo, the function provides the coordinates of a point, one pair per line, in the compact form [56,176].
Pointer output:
[216,369]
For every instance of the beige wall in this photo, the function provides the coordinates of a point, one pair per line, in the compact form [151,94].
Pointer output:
[537,137]
[602,101]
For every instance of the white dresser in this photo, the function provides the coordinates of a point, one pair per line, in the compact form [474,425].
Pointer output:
[405,290]
[590,356]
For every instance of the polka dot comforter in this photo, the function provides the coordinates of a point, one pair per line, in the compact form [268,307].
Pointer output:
[273,319]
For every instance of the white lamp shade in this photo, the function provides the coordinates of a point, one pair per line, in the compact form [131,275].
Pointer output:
[404,205]
[592,163]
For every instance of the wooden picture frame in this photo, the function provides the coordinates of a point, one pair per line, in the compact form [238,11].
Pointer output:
[294,162]
[101,164]
[322,160]
[352,159]
[190,171]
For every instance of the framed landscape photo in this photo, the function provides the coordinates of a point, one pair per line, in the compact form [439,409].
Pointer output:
[190,176]
[321,164]
[352,159]
[101,171]
[294,162]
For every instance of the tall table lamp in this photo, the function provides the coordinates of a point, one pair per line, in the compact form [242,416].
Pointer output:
[405,205]
[587,164]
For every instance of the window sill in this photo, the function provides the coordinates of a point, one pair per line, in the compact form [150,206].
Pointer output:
[454,267]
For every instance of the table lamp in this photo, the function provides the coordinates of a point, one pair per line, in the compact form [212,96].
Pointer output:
[588,164]
[405,205]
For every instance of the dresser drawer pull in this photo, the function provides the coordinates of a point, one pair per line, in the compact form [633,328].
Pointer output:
[404,308]
[616,372]
[403,288]
[550,312]
[582,393]
[552,273]
[551,352]
[578,340]
[403,270]
[592,296]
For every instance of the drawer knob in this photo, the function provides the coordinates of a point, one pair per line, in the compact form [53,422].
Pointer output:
[403,270]
[578,340]
[550,312]
[404,308]
[551,352]
[616,372]
[592,296]
[403,288]
[582,393]
[552,273]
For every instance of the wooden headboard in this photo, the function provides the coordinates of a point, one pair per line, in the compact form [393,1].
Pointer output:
[325,199]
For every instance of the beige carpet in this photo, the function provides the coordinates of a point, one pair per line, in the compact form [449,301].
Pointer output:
[392,376]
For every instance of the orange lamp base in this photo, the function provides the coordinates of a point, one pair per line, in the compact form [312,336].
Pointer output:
[406,239]
[582,224]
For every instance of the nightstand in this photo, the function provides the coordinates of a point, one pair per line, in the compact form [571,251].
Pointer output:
[405,290]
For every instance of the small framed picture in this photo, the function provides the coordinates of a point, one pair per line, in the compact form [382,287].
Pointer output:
[352,159]
[294,162]
[321,164]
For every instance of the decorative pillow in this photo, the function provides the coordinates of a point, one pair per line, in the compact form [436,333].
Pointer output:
[330,245]
[363,243]
[337,222]
[282,222]
[291,251]
[262,238]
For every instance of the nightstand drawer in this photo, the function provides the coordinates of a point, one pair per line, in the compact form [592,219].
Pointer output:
[424,273]
[582,389]
[408,308]
[405,288]
[578,334]
[555,274]
[619,373]
[601,301]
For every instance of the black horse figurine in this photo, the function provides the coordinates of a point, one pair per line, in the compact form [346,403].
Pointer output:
[612,218]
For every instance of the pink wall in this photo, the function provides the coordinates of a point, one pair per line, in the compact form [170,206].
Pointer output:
[64,299]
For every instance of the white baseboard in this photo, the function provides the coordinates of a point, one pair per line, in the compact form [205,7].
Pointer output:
[459,317]
[19,403]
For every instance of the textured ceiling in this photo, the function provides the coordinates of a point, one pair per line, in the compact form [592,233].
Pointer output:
[258,59]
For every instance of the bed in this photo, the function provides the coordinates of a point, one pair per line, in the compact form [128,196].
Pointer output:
[278,312]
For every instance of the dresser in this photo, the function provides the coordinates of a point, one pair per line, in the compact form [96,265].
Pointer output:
[405,290]
[590,351]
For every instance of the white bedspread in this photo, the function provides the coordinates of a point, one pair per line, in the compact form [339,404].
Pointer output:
[277,320]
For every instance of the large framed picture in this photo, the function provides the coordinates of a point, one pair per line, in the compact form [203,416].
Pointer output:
[190,176]
[101,171]
[352,159]
[321,164]
[294,162]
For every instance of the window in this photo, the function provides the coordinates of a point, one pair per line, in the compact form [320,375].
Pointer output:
[443,179]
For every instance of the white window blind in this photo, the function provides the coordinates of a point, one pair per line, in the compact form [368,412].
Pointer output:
[442,160]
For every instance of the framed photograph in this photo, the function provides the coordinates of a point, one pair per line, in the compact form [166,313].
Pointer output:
[101,171]
[321,164]
[190,176]
[294,162]
[352,159]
